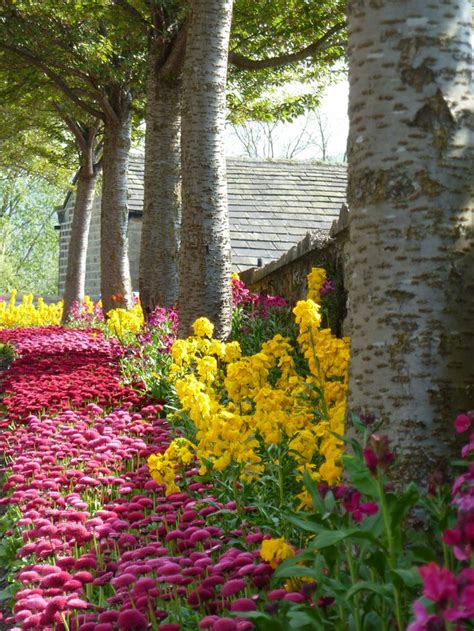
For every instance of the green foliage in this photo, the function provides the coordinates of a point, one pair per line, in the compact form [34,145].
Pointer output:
[7,353]
[29,242]
[360,568]
[272,30]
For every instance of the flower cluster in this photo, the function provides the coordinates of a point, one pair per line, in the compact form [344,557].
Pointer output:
[27,314]
[98,543]
[449,596]
[88,314]
[163,466]
[259,303]
[249,411]
[122,322]
[82,368]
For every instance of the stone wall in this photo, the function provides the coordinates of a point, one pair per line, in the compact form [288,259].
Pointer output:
[287,275]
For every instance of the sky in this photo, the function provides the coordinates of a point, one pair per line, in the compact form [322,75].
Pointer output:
[333,112]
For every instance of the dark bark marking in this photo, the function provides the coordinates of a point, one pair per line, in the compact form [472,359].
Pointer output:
[435,118]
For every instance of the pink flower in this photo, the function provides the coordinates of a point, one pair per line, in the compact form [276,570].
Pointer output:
[233,587]
[132,620]
[243,604]
[462,423]
[439,584]
[225,624]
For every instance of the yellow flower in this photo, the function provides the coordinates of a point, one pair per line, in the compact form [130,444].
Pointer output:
[202,327]
[316,278]
[276,550]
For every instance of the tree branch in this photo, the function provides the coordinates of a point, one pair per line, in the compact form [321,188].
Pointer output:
[245,63]
[173,64]
[73,126]
[55,78]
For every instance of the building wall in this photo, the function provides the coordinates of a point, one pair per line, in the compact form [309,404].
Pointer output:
[93,249]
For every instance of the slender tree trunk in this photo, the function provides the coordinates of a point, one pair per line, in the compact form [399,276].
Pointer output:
[116,286]
[162,194]
[411,268]
[77,253]
[205,266]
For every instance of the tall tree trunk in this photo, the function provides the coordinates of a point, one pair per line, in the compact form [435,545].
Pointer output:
[162,195]
[411,268]
[116,286]
[77,253]
[205,266]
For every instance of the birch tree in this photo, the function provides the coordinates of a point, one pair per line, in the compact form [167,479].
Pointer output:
[411,289]
[158,275]
[205,265]
[91,54]
[86,179]
[56,126]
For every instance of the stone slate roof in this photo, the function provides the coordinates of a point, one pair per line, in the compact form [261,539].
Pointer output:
[272,204]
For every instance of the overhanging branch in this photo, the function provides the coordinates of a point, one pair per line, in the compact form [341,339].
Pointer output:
[245,63]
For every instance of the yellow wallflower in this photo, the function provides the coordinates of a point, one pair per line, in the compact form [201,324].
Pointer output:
[202,327]
[274,551]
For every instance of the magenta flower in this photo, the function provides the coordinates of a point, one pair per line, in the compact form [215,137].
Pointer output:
[225,624]
[439,584]
[462,423]
[132,620]
[243,604]
[233,587]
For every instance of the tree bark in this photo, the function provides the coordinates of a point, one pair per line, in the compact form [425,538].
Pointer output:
[411,268]
[77,253]
[86,142]
[162,193]
[205,266]
[116,286]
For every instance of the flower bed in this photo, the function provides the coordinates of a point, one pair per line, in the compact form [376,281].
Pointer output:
[93,542]
[98,543]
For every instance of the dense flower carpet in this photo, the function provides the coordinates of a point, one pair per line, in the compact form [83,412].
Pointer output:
[155,483]
[102,547]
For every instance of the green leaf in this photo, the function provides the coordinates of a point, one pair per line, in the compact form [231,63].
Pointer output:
[370,586]
[409,577]
[304,524]
[401,504]
[360,476]
[331,537]
[298,570]
[312,489]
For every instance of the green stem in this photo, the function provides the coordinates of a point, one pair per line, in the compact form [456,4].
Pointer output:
[340,608]
[391,551]
[352,572]
[280,485]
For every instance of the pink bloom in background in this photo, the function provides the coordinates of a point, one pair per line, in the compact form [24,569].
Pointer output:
[462,423]
[326,288]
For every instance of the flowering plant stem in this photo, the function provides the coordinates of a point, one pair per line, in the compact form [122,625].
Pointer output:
[352,572]
[391,550]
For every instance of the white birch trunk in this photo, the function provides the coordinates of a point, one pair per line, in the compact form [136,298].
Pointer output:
[205,266]
[411,268]
[162,193]
[116,286]
[77,253]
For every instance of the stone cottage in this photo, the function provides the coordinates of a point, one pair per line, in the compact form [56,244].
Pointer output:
[272,206]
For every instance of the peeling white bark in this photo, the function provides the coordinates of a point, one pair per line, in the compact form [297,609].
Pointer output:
[116,286]
[74,288]
[205,266]
[162,192]
[411,267]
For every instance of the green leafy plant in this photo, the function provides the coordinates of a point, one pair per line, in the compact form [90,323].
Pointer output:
[363,544]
